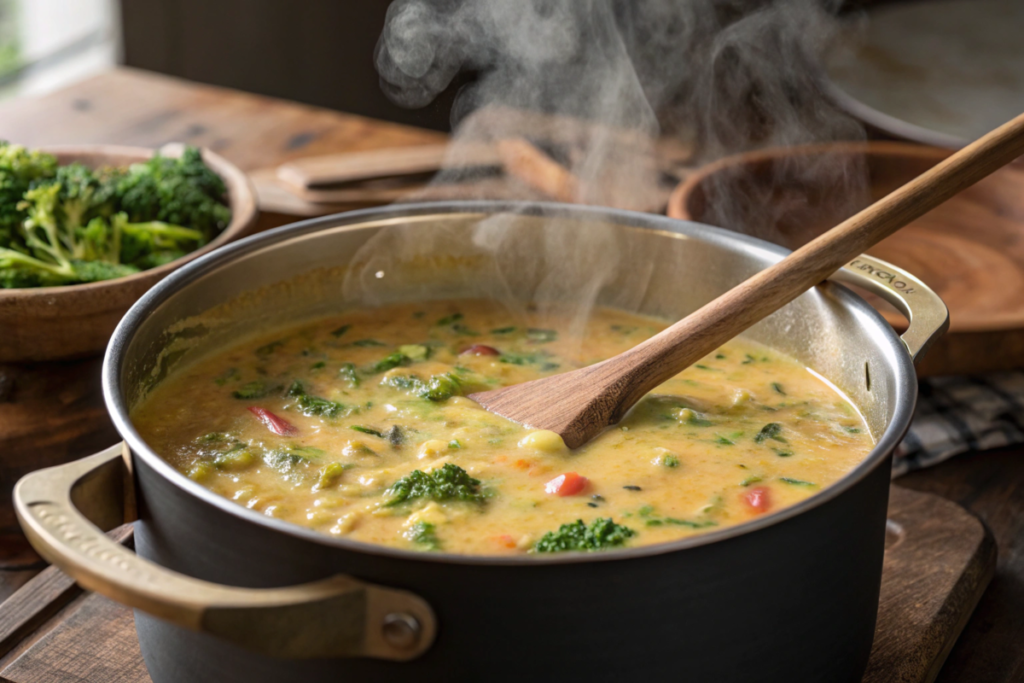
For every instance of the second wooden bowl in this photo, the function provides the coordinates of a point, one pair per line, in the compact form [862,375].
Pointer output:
[970,250]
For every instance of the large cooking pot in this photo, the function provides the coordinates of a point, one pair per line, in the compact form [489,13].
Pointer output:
[223,593]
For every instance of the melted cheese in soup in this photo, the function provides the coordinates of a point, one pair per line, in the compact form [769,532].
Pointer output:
[358,427]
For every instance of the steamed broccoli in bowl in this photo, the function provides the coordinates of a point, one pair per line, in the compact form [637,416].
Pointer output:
[63,225]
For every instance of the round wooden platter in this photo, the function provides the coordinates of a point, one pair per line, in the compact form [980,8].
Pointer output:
[940,72]
[970,250]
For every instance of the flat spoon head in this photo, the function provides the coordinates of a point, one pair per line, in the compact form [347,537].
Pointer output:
[576,405]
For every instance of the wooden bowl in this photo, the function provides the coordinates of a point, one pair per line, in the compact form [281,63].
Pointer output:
[970,250]
[75,321]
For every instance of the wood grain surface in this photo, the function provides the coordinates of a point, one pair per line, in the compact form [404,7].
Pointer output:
[938,561]
[131,107]
[991,486]
[40,598]
[94,641]
[50,413]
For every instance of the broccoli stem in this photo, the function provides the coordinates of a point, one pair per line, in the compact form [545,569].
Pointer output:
[162,229]
[9,258]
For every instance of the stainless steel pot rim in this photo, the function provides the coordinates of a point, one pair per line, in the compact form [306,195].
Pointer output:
[905,380]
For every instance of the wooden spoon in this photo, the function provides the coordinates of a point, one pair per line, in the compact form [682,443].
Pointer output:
[580,404]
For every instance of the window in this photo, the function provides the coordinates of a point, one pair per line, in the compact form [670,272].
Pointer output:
[45,44]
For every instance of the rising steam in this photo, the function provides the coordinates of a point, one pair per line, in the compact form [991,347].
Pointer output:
[722,76]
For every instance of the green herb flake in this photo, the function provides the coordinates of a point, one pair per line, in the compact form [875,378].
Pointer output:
[454,444]
[415,352]
[367,343]
[347,372]
[777,388]
[424,535]
[782,453]
[449,320]
[748,360]
[395,436]
[214,437]
[503,330]
[772,430]
[367,430]
[340,331]
[692,417]
[750,480]
[389,362]
[703,524]
[310,405]
[252,390]
[797,482]
[330,474]
[721,440]
[436,388]
[285,459]
[319,365]
[669,461]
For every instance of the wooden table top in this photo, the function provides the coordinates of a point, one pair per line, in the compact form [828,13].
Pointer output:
[132,107]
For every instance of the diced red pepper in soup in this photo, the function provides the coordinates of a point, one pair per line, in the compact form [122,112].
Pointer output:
[480,350]
[505,541]
[276,424]
[568,484]
[758,498]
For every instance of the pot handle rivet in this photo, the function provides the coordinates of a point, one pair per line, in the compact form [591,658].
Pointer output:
[401,630]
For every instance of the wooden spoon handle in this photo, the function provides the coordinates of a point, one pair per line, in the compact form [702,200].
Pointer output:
[659,358]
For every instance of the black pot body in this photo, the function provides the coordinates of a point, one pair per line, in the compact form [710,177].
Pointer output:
[794,602]
[789,597]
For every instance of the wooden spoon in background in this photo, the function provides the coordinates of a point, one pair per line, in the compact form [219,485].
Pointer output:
[580,404]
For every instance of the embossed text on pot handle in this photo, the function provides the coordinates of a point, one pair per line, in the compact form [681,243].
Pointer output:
[928,315]
[59,509]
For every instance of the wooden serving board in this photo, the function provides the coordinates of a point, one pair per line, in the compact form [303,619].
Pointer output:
[939,559]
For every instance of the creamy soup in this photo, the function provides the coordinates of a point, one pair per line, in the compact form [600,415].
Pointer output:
[359,427]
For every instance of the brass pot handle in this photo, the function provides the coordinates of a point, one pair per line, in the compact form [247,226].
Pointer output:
[928,315]
[60,507]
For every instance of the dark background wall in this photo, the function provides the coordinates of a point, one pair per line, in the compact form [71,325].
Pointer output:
[319,52]
[314,51]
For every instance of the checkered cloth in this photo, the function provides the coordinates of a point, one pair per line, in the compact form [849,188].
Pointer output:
[959,414]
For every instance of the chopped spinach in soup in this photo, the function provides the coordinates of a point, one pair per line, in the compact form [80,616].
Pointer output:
[358,426]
